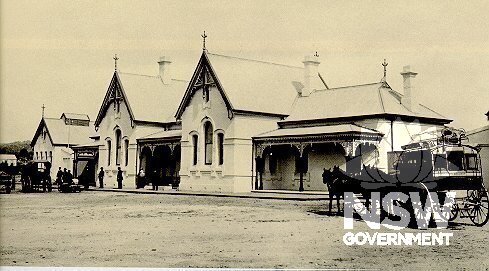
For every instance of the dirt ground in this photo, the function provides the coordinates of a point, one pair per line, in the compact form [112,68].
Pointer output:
[102,229]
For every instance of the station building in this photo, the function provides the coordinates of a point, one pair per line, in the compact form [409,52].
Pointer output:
[241,124]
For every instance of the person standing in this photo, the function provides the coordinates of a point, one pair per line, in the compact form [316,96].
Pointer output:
[141,180]
[64,178]
[59,177]
[101,177]
[154,180]
[70,177]
[119,178]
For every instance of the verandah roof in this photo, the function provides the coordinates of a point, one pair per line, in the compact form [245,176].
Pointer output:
[329,132]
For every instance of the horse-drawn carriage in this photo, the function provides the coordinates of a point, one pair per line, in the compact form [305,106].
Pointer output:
[6,181]
[36,176]
[443,164]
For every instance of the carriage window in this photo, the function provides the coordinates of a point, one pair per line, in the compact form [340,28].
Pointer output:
[455,160]
[440,162]
[393,160]
[471,161]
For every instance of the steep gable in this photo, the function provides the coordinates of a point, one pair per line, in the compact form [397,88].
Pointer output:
[247,85]
[146,97]
[204,77]
[115,94]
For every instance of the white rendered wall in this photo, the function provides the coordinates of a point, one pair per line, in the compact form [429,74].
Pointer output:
[107,127]
[235,175]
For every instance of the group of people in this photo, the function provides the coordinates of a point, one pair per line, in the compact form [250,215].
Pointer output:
[64,176]
[143,179]
[101,175]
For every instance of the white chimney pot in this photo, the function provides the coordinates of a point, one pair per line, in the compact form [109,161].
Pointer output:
[165,69]
[409,99]
[311,64]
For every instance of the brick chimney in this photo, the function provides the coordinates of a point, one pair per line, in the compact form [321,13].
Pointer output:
[165,69]
[311,64]
[409,99]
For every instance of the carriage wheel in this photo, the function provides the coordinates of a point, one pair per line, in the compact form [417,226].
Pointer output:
[454,212]
[478,203]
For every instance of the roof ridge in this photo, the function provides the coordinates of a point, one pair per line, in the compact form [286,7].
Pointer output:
[152,76]
[359,85]
[130,73]
[258,61]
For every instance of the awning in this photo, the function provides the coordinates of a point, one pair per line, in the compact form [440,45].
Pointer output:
[169,135]
[330,132]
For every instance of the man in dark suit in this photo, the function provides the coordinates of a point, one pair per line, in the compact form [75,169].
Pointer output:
[101,177]
[119,178]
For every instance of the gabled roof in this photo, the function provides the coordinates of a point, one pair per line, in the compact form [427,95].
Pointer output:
[62,134]
[356,101]
[250,85]
[147,98]
[76,116]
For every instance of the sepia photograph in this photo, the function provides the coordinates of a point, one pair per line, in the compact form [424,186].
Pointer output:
[220,134]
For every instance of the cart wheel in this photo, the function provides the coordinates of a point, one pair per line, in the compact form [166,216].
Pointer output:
[478,203]
[454,212]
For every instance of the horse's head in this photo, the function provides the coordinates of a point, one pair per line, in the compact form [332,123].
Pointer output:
[326,175]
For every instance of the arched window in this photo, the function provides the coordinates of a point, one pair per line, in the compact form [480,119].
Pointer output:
[51,156]
[41,155]
[46,155]
[126,151]
[195,142]
[220,146]
[37,155]
[118,147]
[109,151]
[208,142]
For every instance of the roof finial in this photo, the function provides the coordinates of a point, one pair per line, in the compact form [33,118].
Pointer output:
[203,37]
[115,61]
[43,107]
[385,70]
[316,54]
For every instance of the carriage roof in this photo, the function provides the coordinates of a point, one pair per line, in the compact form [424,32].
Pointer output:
[437,146]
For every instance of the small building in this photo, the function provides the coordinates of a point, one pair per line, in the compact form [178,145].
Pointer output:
[55,137]
[9,159]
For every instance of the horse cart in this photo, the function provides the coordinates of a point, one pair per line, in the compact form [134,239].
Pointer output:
[443,164]
[36,177]
[6,181]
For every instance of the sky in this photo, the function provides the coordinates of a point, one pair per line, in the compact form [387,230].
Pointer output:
[59,53]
